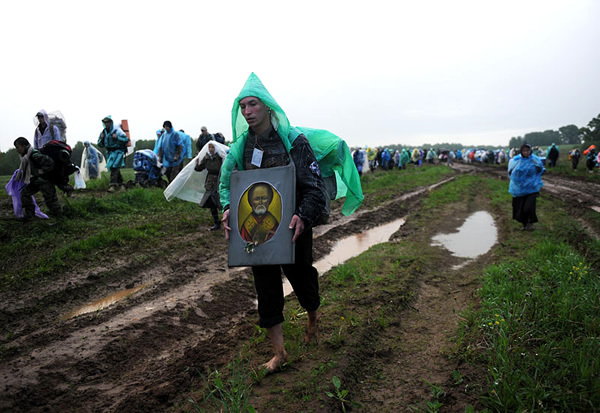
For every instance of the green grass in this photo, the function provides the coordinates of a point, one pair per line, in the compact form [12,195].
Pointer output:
[94,223]
[538,324]
[539,320]
[383,186]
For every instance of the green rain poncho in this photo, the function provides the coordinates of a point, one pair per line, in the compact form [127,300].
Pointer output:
[331,151]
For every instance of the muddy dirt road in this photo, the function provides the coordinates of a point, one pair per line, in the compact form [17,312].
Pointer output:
[67,348]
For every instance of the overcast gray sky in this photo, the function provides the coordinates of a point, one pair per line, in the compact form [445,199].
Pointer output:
[374,73]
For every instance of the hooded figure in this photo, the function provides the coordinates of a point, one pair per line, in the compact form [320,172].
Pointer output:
[92,162]
[525,171]
[115,141]
[264,138]
[552,153]
[171,150]
[44,131]
[404,159]
[333,156]
[158,143]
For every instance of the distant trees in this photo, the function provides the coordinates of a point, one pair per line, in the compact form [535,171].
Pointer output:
[591,133]
[566,135]
[9,162]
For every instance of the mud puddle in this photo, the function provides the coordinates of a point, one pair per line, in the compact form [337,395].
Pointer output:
[352,246]
[473,238]
[102,303]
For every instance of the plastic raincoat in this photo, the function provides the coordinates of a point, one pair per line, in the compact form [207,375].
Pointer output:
[189,184]
[404,157]
[92,162]
[187,146]
[170,141]
[525,175]
[41,139]
[115,142]
[331,152]
[158,143]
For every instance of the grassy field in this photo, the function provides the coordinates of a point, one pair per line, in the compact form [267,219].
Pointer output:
[94,223]
[532,328]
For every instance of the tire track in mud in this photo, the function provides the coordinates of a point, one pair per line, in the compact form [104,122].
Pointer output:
[135,353]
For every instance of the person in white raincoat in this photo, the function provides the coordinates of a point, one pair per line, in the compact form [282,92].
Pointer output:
[44,131]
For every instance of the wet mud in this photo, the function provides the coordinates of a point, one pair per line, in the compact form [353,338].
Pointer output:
[179,314]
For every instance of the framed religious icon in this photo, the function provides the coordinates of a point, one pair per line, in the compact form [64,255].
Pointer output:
[262,203]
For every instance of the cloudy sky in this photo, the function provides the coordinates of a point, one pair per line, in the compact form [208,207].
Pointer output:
[374,73]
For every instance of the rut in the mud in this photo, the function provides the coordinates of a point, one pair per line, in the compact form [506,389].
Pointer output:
[148,337]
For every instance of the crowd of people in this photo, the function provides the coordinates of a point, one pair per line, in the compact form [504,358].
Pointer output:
[370,159]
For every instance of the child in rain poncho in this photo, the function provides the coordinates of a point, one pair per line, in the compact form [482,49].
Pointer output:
[525,171]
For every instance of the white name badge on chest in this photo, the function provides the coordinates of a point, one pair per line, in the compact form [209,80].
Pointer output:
[257,156]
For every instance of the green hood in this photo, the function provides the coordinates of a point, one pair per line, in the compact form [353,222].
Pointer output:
[332,153]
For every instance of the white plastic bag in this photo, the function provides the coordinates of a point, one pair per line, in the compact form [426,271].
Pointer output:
[79,181]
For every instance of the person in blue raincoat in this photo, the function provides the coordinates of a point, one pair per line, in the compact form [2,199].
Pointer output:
[525,171]
[115,141]
[91,161]
[171,150]
[158,143]
[187,145]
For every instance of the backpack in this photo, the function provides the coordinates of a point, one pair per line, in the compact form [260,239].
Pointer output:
[57,119]
[553,153]
[60,153]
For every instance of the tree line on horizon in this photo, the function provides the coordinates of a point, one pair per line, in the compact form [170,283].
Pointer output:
[565,135]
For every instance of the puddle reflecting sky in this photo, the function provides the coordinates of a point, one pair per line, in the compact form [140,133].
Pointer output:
[103,302]
[352,246]
[475,237]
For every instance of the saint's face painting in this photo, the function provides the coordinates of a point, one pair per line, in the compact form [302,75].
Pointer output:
[259,213]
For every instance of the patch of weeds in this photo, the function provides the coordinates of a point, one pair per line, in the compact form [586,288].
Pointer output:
[434,405]
[337,339]
[341,395]
[229,392]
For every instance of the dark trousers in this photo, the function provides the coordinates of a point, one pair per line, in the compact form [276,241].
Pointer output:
[48,191]
[215,215]
[303,277]
[116,178]
[524,209]
[173,171]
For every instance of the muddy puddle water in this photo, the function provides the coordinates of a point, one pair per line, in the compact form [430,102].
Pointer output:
[352,246]
[103,302]
[474,237]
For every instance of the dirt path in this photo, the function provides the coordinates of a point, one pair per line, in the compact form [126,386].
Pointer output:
[135,354]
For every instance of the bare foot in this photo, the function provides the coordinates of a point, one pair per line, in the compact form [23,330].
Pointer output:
[272,365]
[312,328]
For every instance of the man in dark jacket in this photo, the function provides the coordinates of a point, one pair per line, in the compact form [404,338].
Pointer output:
[203,139]
[34,165]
